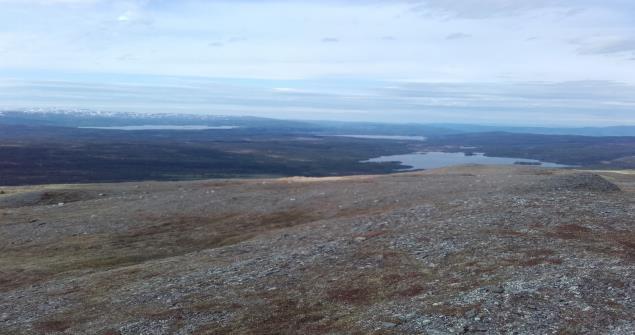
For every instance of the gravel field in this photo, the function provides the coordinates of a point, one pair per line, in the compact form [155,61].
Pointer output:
[471,249]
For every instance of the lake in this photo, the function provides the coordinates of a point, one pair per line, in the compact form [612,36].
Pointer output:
[385,137]
[163,127]
[433,160]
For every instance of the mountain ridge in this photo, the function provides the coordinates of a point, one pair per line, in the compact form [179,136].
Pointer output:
[88,117]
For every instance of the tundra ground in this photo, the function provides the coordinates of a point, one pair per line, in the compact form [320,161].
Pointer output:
[491,250]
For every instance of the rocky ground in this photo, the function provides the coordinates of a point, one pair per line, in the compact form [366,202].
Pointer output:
[488,250]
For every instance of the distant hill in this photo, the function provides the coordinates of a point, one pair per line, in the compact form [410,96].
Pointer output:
[584,131]
[90,118]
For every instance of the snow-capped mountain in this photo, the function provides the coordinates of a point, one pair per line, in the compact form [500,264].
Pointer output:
[64,117]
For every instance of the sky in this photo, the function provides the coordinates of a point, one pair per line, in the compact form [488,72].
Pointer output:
[538,62]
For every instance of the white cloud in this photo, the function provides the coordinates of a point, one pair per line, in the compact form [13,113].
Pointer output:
[457,36]
[606,45]
[478,9]
[509,41]
[556,103]
[50,2]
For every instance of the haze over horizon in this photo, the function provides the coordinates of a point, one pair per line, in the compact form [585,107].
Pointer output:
[549,63]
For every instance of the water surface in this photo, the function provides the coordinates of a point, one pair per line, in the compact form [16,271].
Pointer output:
[433,160]
[163,127]
[386,137]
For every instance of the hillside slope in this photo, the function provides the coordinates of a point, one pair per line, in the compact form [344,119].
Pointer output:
[487,250]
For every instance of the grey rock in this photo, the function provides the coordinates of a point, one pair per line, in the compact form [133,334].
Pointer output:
[498,289]
[388,325]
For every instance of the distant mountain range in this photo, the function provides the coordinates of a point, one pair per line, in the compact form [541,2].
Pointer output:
[582,131]
[93,118]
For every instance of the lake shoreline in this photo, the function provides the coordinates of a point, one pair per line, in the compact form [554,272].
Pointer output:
[437,159]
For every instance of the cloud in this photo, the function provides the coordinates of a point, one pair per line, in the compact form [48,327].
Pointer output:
[480,9]
[555,103]
[236,39]
[457,36]
[230,40]
[605,45]
[209,38]
[330,40]
[51,2]
[123,17]
[127,57]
